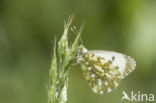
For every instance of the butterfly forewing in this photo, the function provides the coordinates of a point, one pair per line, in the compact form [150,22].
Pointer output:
[105,69]
[125,63]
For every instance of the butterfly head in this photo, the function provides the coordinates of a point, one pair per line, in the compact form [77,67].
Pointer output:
[81,51]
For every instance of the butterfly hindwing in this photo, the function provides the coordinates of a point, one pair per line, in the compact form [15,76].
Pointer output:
[105,69]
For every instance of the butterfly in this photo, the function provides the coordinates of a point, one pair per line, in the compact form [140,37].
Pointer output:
[104,69]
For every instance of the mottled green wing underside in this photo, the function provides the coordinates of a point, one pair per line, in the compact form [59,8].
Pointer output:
[105,69]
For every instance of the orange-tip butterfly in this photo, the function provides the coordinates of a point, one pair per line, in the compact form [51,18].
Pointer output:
[104,69]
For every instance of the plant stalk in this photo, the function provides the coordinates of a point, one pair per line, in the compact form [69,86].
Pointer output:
[63,57]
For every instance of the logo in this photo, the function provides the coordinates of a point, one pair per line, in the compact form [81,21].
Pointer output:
[137,97]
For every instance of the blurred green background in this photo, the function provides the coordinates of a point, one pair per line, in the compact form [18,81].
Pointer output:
[27,31]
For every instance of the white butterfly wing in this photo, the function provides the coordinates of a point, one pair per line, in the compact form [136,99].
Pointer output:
[125,63]
[105,69]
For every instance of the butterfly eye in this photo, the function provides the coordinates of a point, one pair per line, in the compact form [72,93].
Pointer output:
[81,49]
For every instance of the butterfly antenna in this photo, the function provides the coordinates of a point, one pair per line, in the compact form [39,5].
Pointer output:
[80,31]
[74,30]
